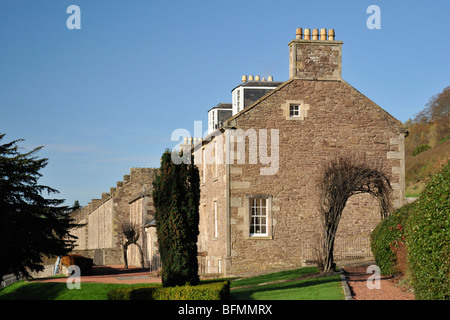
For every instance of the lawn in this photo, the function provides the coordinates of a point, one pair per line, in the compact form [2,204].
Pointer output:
[326,288]
[254,288]
[24,290]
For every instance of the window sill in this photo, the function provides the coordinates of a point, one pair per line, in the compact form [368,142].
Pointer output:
[259,237]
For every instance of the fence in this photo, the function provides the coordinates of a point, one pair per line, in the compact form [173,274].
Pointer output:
[155,263]
[9,279]
[343,249]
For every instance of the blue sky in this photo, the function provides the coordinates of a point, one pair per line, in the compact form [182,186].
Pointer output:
[107,97]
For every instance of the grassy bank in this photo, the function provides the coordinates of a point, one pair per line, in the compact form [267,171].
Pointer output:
[288,287]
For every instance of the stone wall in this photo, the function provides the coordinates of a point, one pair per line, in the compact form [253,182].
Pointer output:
[142,211]
[212,238]
[339,120]
[102,217]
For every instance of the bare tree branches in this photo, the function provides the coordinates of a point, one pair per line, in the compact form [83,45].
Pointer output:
[130,235]
[339,179]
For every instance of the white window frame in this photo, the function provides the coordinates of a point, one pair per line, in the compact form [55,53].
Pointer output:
[258,219]
[216,166]
[204,164]
[216,219]
[294,110]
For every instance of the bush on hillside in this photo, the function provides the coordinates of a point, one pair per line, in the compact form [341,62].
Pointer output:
[428,240]
[419,149]
[209,291]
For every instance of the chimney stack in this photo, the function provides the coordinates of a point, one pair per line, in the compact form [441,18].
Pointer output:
[315,56]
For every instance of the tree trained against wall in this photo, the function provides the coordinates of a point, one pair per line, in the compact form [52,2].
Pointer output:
[339,179]
[176,197]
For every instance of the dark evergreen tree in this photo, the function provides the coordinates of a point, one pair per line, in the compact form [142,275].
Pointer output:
[176,197]
[31,226]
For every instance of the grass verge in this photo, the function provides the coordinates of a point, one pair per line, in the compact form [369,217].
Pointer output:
[284,285]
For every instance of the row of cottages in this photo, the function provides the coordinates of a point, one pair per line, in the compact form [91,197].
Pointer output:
[99,236]
[258,168]
[259,164]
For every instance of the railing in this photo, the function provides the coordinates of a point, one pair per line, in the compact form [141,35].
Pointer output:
[8,279]
[343,249]
[155,263]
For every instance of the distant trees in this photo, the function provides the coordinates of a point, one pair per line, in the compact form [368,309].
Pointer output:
[339,179]
[431,126]
[176,197]
[31,226]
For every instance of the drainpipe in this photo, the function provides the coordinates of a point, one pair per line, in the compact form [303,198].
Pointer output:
[227,128]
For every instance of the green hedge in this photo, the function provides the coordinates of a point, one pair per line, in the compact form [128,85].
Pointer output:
[386,238]
[424,226]
[209,291]
[428,239]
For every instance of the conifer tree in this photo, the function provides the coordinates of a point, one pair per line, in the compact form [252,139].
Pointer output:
[176,196]
[31,226]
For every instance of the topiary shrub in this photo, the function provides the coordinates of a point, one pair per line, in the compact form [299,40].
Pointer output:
[388,240]
[428,239]
[209,291]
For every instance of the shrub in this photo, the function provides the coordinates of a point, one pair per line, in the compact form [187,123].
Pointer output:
[428,239]
[419,149]
[176,198]
[209,291]
[388,239]
[85,264]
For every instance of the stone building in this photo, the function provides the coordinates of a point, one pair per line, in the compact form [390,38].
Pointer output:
[258,169]
[259,203]
[99,236]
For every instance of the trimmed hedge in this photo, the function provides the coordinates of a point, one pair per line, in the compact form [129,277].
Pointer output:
[209,291]
[424,226]
[387,237]
[428,239]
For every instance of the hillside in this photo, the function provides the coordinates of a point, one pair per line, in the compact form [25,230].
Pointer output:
[427,148]
[420,168]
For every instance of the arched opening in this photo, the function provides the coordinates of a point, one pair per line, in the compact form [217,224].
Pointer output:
[340,179]
[359,217]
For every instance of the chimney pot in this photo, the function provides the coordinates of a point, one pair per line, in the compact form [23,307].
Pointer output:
[244,78]
[307,34]
[315,34]
[299,33]
[257,78]
[331,35]
[250,78]
[269,78]
[323,34]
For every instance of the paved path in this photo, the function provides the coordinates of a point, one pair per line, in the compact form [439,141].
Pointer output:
[113,274]
[357,276]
